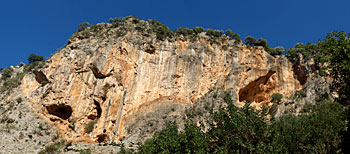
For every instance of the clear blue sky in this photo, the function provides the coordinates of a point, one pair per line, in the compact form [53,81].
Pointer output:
[42,26]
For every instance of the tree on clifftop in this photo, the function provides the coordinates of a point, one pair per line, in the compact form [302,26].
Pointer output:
[33,58]
[250,40]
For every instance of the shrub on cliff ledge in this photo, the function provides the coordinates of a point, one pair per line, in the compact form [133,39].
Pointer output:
[90,126]
[276,97]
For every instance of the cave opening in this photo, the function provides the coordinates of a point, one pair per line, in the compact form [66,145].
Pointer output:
[300,73]
[60,110]
[102,138]
[252,92]
[98,111]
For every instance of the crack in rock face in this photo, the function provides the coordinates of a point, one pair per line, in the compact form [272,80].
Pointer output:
[60,110]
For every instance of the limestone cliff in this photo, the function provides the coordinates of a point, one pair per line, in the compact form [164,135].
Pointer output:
[109,80]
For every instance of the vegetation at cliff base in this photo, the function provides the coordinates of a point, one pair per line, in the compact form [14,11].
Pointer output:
[246,130]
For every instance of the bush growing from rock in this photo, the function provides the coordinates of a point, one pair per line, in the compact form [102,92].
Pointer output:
[34,58]
[276,97]
[90,126]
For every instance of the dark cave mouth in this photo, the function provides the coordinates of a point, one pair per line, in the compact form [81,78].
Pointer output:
[60,110]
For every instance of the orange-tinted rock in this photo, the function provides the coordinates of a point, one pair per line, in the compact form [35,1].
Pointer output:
[121,77]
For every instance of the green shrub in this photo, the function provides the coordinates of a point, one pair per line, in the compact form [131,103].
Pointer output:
[82,26]
[276,97]
[161,30]
[230,34]
[170,140]
[90,126]
[299,93]
[6,73]
[184,31]
[86,151]
[316,132]
[276,51]
[250,40]
[262,42]
[55,148]
[214,33]
[304,50]
[34,58]
[198,30]
[124,150]
[245,130]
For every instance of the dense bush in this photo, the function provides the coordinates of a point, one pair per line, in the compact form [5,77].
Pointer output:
[34,58]
[161,30]
[336,54]
[171,140]
[316,132]
[262,42]
[55,148]
[276,51]
[90,126]
[300,49]
[184,31]
[250,40]
[214,33]
[246,130]
[6,73]
[299,93]
[230,34]
[276,97]
[198,30]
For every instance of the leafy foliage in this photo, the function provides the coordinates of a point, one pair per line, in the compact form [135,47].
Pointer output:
[299,93]
[86,151]
[245,130]
[6,73]
[12,80]
[90,126]
[336,55]
[300,49]
[276,51]
[55,148]
[250,40]
[230,34]
[82,26]
[316,132]
[171,140]
[214,33]
[262,42]
[34,58]
[276,97]
[161,30]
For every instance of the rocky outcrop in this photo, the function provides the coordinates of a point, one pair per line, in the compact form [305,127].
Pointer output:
[113,81]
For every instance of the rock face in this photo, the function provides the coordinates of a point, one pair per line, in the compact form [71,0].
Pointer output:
[110,81]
